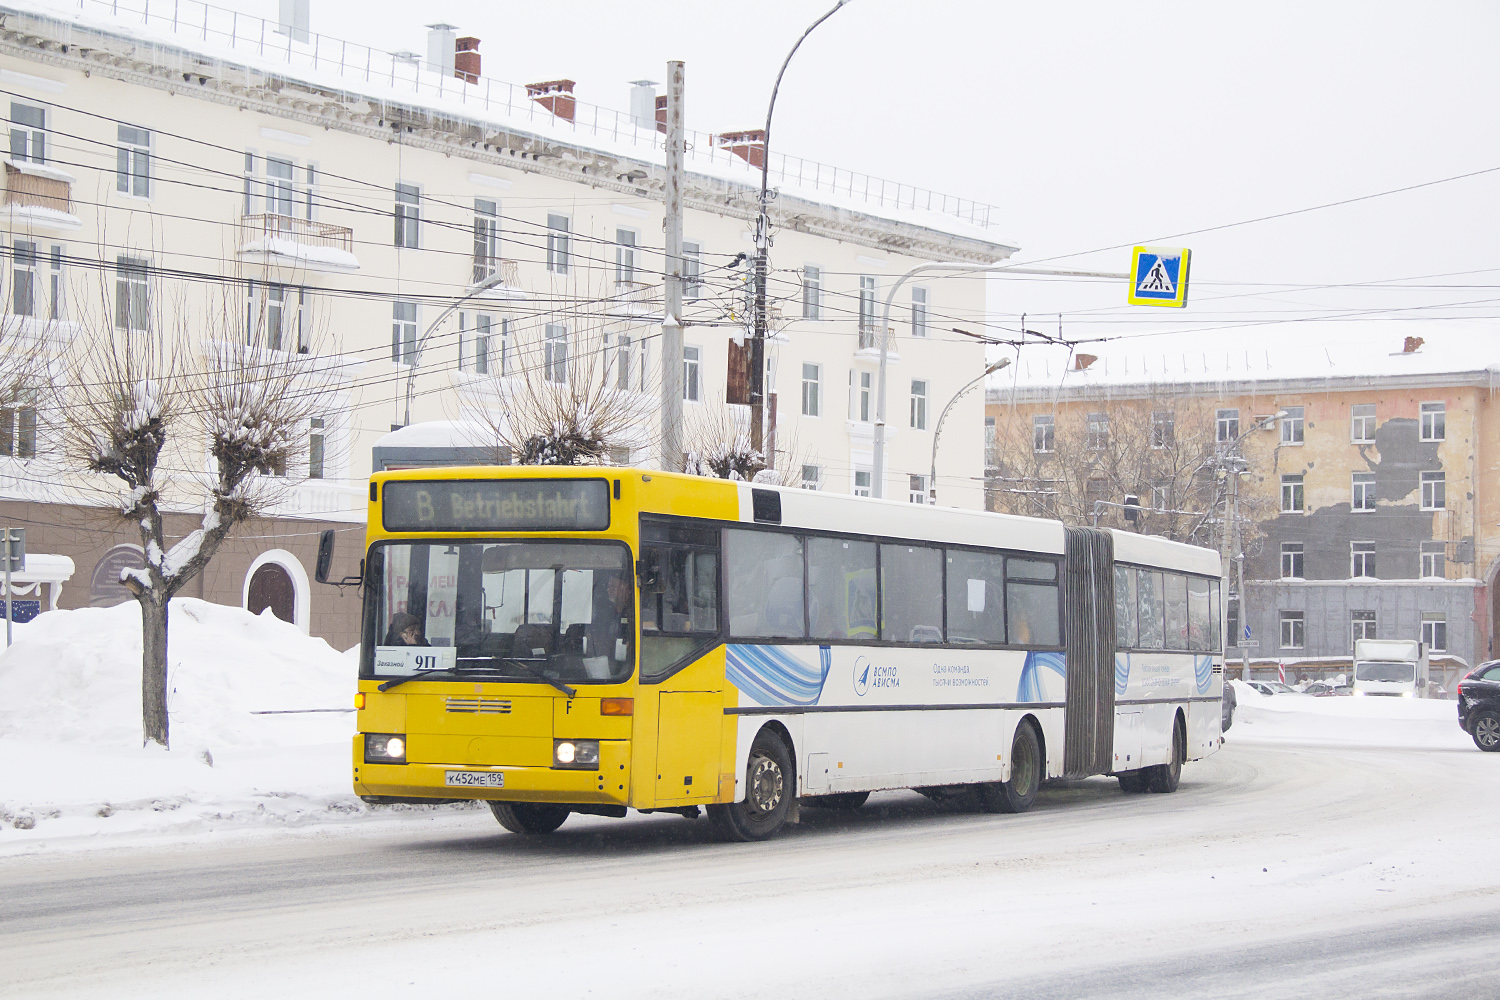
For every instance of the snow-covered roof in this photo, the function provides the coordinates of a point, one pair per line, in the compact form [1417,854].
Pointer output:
[291,253]
[439,434]
[39,170]
[1255,356]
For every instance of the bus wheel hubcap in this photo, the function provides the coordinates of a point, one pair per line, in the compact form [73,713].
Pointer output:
[765,784]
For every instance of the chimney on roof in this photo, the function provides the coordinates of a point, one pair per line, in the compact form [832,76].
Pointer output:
[1082,361]
[466,60]
[643,103]
[749,145]
[661,113]
[554,95]
[1412,345]
[441,44]
[292,19]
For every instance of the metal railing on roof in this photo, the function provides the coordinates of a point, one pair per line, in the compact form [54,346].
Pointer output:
[248,35]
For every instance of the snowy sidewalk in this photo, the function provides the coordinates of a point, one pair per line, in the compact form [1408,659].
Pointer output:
[1401,723]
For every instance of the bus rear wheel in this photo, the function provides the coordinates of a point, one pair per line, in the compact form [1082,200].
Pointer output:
[1164,777]
[529,817]
[1017,794]
[769,788]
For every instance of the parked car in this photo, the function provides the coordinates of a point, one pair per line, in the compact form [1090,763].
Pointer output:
[1479,705]
[1273,687]
[1318,688]
[1228,707]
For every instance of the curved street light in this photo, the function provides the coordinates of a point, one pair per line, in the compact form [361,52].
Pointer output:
[411,374]
[938,430]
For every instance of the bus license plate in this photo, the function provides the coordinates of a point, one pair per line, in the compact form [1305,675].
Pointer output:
[475,779]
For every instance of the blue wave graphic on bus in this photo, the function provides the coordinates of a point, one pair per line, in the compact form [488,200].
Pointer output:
[1122,673]
[1203,672]
[772,675]
[1032,686]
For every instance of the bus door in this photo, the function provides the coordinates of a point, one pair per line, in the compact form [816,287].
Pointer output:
[1089,637]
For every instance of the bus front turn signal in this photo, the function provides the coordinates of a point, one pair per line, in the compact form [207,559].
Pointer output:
[616,706]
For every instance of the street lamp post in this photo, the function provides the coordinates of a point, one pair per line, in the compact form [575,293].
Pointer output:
[411,374]
[757,360]
[1232,559]
[938,430]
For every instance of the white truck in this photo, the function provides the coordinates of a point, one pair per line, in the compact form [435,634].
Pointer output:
[1390,668]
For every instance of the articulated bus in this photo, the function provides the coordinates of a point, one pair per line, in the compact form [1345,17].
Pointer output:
[592,640]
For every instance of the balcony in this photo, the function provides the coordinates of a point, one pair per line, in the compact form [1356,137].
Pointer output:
[636,301]
[39,198]
[284,241]
[869,344]
[509,287]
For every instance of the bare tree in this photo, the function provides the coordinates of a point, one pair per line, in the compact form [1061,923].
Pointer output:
[718,445]
[185,410]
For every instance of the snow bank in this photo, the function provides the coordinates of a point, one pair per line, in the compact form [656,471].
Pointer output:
[261,723]
[1346,721]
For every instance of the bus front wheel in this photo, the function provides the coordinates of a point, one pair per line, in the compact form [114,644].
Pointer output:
[529,817]
[1017,794]
[769,789]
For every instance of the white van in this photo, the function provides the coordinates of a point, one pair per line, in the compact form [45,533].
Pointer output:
[1390,668]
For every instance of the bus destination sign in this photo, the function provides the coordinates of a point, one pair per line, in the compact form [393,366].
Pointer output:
[497,505]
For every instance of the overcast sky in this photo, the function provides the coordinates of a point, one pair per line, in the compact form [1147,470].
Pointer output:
[1089,124]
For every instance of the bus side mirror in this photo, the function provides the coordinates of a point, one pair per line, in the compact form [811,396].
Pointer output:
[325,556]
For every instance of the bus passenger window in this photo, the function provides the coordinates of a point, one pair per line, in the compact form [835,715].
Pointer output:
[841,588]
[1199,625]
[1125,607]
[1216,624]
[1031,603]
[976,588]
[1152,609]
[1177,612]
[763,572]
[911,594]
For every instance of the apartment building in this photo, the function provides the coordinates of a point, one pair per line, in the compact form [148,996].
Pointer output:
[1370,502]
[432,237]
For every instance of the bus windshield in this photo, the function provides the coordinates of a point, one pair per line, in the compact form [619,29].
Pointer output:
[525,610]
[1396,673]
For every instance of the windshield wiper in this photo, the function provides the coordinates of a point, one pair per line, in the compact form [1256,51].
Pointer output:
[454,671]
[533,671]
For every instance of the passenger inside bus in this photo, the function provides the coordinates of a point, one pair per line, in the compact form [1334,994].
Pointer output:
[405,630]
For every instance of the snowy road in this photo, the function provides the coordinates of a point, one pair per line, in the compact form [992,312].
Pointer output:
[1274,871]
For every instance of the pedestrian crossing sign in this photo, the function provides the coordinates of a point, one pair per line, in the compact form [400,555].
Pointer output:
[1159,276]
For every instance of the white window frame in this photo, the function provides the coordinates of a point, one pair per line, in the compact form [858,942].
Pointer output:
[812,477]
[691,360]
[692,272]
[626,241]
[867,289]
[1294,426]
[57,285]
[1043,434]
[28,140]
[1161,498]
[1294,494]
[1362,561]
[866,397]
[1362,492]
[1293,561]
[812,292]
[24,285]
[1293,630]
[1435,631]
[1433,558]
[919,404]
[132,294]
[1362,625]
[1227,425]
[1163,429]
[1362,425]
[1434,490]
[408,215]
[920,313]
[133,161]
[559,233]
[281,188]
[486,238]
[1096,431]
[1434,420]
[317,448]
[404,315]
[555,353]
[917,488]
[862,489]
[812,390]
[18,431]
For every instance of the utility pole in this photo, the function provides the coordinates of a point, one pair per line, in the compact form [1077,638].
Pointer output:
[671,326]
[1226,542]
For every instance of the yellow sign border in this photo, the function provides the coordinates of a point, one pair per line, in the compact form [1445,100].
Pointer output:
[1180,299]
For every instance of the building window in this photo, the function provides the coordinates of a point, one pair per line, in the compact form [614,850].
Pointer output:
[917,490]
[1291,425]
[404,333]
[271,313]
[1161,498]
[919,312]
[280,196]
[1433,557]
[625,257]
[1096,432]
[1434,422]
[867,339]
[1291,495]
[315,440]
[812,292]
[1362,423]
[249,183]
[692,272]
[1435,632]
[624,350]
[557,244]
[812,477]
[1361,626]
[919,404]
[408,213]
[309,192]
[490,345]
[1042,440]
[1362,559]
[690,374]
[555,360]
[56,307]
[23,285]
[18,432]
[1434,491]
[1162,428]
[28,132]
[486,239]
[1363,491]
[866,395]
[1226,426]
[1293,630]
[132,306]
[133,162]
[812,385]
[1291,561]
[862,482]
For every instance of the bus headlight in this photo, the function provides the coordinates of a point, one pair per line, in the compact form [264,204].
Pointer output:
[1408,694]
[385,748]
[582,755]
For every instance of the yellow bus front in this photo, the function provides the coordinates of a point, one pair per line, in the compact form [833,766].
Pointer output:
[500,647]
